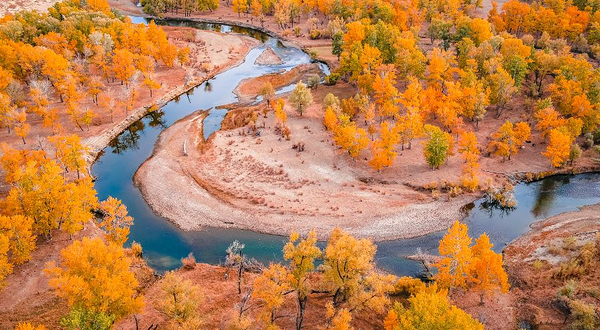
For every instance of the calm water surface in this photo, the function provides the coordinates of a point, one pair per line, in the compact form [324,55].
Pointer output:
[164,244]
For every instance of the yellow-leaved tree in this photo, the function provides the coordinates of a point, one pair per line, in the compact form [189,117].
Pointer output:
[270,289]
[429,309]
[350,274]
[179,300]
[301,254]
[96,281]
[116,221]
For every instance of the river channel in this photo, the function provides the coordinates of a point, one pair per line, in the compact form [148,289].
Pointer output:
[164,244]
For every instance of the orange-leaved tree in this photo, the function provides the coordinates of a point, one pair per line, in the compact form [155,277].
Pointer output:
[96,281]
[509,139]
[456,257]
[486,271]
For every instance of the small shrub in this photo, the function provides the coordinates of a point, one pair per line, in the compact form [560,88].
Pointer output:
[597,149]
[529,177]
[136,249]
[569,243]
[189,262]
[587,143]
[206,67]
[455,191]
[325,34]
[315,34]
[313,81]
[584,316]
[568,290]
[569,269]
[297,31]
[538,264]
[575,153]
[332,79]
[285,131]
[407,286]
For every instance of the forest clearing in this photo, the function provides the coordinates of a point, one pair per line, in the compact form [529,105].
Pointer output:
[298,164]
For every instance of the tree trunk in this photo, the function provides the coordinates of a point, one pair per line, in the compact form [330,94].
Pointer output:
[301,307]
[240,271]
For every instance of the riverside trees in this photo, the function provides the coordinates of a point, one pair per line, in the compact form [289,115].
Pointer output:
[349,278]
[78,51]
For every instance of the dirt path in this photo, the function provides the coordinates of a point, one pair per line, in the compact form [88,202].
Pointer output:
[27,296]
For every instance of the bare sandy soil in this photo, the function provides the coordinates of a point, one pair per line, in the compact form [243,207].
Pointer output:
[219,299]
[13,6]
[263,184]
[248,89]
[534,289]
[238,180]
[268,57]
[27,296]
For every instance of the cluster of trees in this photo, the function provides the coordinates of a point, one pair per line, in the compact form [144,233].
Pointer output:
[464,266]
[344,270]
[405,94]
[45,196]
[557,19]
[65,54]
[160,7]
[71,53]
[286,13]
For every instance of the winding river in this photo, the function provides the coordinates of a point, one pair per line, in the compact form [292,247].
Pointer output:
[164,244]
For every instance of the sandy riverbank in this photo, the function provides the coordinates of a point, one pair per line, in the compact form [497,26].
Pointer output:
[222,51]
[262,184]
[533,258]
[249,88]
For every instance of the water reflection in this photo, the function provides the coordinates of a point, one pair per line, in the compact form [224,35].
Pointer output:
[128,139]
[208,87]
[156,119]
[546,193]
[494,209]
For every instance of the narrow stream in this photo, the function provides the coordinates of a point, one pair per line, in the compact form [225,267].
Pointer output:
[164,244]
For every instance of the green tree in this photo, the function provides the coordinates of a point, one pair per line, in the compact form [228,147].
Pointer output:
[437,147]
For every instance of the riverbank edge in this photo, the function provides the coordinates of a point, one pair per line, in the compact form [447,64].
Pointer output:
[516,178]
[394,235]
[97,144]
[209,20]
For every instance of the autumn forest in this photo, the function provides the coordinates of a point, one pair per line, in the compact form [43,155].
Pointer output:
[300,164]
